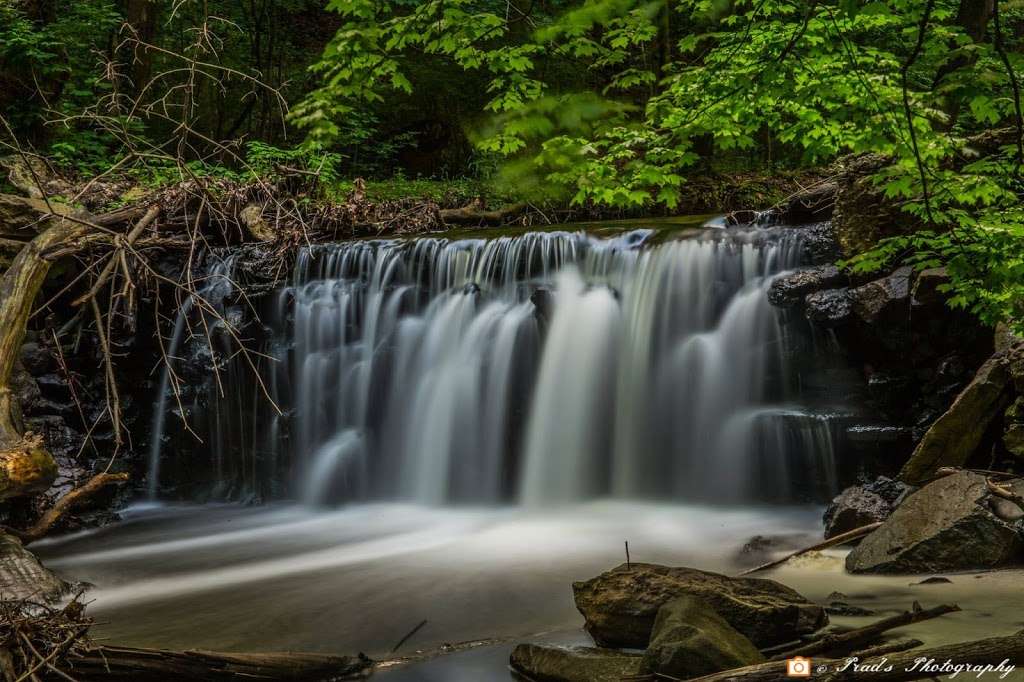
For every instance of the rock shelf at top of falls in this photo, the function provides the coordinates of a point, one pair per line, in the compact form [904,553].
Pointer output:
[543,368]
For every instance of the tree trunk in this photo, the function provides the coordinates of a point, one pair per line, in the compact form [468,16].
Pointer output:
[25,465]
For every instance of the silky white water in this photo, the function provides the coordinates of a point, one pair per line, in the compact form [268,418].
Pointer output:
[546,368]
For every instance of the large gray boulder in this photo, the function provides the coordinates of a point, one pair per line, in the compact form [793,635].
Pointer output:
[948,525]
[621,605]
[543,663]
[23,577]
[690,639]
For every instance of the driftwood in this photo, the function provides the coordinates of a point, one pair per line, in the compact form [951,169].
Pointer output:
[158,665]
[69,501]
[894,667]
[860,636]
[475,214]
[840,539]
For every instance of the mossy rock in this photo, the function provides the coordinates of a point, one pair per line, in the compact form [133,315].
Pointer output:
[691,639]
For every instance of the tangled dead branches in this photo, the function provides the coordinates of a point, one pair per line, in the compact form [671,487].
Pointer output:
[36,639]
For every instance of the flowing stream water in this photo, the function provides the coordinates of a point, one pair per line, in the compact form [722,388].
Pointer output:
[456,429]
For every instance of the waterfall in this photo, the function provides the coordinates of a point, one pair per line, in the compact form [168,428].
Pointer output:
[544,368]
[208,295]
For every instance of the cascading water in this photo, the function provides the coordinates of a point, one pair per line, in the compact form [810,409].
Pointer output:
[545,368]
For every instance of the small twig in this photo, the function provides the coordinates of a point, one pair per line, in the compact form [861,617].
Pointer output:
[410,634]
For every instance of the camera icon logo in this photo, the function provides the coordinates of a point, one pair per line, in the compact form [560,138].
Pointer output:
[798,666]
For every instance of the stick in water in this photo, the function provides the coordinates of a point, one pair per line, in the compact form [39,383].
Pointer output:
[411,633]
[840,539]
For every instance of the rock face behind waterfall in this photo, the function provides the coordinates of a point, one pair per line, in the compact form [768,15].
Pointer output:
[621,605]
[954,523]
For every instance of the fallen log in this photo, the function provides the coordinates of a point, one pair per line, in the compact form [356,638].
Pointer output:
[840,539]
[157,665]
[475,214]
[71,500]
[895,667]
[860,636]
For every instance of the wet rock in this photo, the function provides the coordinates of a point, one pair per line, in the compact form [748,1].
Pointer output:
[954,436]
[37,359]
[945,526]
[761,548]
[928,285]
[573,663]
[934,580]
[22,576]
[1013,440]
[829,308]
[884,306]
[820,244]
[860,505]
[791,288]
[690,639]
[543,301]
[620,605]
[841,608]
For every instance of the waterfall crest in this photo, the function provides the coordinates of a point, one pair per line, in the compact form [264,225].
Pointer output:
[544,368]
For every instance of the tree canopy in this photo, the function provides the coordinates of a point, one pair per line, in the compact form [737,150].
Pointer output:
[596,102]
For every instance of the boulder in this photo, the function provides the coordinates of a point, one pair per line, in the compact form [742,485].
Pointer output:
[811,205]
[955,435]
[1013,440]
[259,229]
[828,308]
[690,639]
[791,288]
[23,577]
[573,663]
[948,525]
[860,505]
[928,287]
[820,244]
[621,605]
[884,305]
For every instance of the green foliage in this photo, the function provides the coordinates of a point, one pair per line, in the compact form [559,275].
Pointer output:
[615,102]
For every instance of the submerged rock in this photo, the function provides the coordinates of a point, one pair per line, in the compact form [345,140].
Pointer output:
[947,525]
[620,606]
[860,505]
[23,577]
[690,639]
[791,288]
[574,663]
